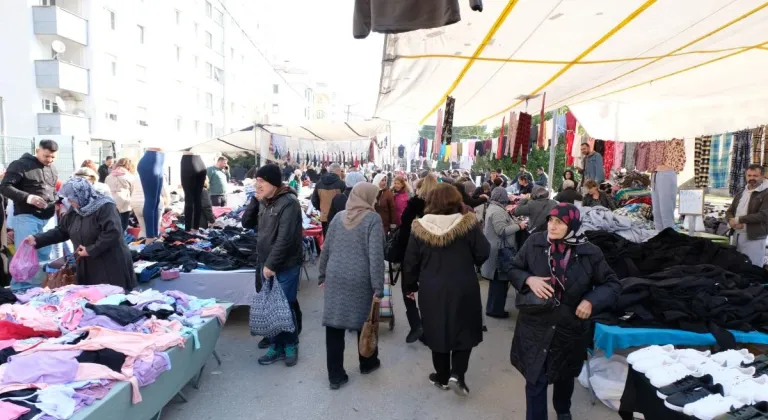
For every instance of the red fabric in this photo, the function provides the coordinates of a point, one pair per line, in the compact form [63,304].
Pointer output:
[640,200]
[542,126]
[13,331]
[317,233]
[523,139]
[608,158]
[501,137]
[570,135]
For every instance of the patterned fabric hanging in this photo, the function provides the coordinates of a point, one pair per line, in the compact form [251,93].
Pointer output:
[570,136]
[739,161]
[757,142]
[702,147]
[448,120]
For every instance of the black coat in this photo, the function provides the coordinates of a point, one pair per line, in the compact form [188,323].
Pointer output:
[26,176]
[558,341]
[338,203]
[251,214]
[413,210]
[101,233]
[280,233]
[440,265]
[568,195]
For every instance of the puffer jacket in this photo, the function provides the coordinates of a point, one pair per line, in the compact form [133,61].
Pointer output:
[27,176]
[120,183]
[329,185]
[557,341]
[280,236]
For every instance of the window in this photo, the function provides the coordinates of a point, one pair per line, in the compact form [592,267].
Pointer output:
[208,130]
[111,110]
[320,114]
[141,116]
[209,70]
[218,17]
[178,17]
[208,100]
[178,54]
[48,2]
[47,105]
[140,31]
[111,18]
[178,124]
[275,108]
[221,104]
[197,96]
[208,39]
[195,28]
[197,127]
[232,53]
[218,75]
[112,64]
[208,9]
[218,131]
[232,108]
[141,73]
[275,89]
[196,61]
[242,59]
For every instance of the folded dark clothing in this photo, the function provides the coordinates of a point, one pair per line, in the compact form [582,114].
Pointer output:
[122,314]
[107,357]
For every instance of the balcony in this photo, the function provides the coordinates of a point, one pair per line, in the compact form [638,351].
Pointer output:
[52,20]
[57,76]
[62,124]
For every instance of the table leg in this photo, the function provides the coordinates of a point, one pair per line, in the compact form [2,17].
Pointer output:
[182,396]
[196,385]
[592,396]
[157,416]
[216,355]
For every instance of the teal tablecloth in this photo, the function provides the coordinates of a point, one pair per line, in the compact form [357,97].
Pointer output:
[185,364]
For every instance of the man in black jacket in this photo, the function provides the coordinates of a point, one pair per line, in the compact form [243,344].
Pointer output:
[329,185]
[104,169]
[748,216]
[280,251]
[569,193]
[30,182]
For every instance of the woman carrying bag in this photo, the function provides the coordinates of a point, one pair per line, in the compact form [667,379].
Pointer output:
[561,280]
[352,272]
[500,231]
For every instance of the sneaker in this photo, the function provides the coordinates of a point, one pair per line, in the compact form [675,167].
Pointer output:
[650,351]
[731,378]
[458,386]
[433,380]
[750,391]
[759,362]
[273,355]
[661,377]
[336,385]
[645,365]
[291,355]
[414,335]
[677,401]
[264,343]
[712,406]
[685,384]
[757,411]
[370,369]
[733,358]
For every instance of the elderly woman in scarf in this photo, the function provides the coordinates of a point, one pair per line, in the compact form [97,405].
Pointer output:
[93,224]
[352,272]
[500,230]
[550,346]
[339,202]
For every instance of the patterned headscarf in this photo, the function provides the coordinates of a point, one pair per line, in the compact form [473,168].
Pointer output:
[88,199]
[560,249]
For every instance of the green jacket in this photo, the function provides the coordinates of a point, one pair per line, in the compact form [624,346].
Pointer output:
[218,179]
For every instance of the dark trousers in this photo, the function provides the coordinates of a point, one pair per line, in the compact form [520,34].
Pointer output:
[124,217]
[497,297]
[453,363]
[325,227]
[536,397]
[219,200]
[193,174]
[411,310]
[334,350]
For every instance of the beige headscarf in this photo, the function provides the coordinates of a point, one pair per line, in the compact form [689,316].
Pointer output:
[360,203]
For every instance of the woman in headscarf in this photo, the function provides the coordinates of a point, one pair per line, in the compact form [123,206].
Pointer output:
[339,202]
[91,176]
[352,272]
[294,181]
[385,203]
[500,231]
[550,347]
[93,224]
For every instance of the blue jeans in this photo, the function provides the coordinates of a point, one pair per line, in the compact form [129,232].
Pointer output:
[288,280]
[25,225]
[150,169]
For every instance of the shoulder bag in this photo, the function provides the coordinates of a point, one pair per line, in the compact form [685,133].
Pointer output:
[506,255]
[392,249]
[369,336]
[528,303]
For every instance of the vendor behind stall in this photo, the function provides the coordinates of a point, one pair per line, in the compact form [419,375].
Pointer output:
[748,215]
[93,225]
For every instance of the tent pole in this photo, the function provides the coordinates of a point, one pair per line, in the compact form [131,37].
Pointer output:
[552,151]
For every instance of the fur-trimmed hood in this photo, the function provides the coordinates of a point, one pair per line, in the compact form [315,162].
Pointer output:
[442,230]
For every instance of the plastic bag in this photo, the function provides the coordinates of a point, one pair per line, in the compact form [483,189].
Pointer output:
[24,264]
[271,313]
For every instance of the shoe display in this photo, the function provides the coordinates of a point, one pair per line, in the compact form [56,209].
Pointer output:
[643,366]
[759,362]
[733,358]
[370,369]
[750,390]
[273,355]
[685,384]
[433,380]
[458,386]
[414,335]
[336,385]
[748,412]
[677,401]
[291,355]
[264,343]
[712,406]
[729,378]
[648,352]
[672,373]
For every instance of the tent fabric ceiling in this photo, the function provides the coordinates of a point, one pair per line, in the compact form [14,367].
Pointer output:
[630,70]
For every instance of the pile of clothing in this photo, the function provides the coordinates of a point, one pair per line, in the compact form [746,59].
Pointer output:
[632,196]
[62,349]
[642,213]
[602,219]
[636,179]
[233,218]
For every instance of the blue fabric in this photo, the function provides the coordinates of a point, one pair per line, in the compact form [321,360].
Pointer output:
[610,337]
[148,273]
[593,167]
[28,225]
[150,169]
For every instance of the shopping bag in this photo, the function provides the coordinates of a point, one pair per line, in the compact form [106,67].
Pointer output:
[65,276]
[369,336]
[270,312]
[24,264]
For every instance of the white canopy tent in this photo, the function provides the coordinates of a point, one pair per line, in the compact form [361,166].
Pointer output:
[630,70]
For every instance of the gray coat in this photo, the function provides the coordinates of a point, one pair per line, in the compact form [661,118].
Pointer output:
[537,211]
[497,221]
[352,268]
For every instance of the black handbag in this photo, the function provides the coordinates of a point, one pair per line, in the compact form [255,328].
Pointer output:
[505,256]
[393,252]
[528,303]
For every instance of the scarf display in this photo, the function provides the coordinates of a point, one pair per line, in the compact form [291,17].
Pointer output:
[448,120]
[560,249]
[359,204]
[739,161]
[81,191]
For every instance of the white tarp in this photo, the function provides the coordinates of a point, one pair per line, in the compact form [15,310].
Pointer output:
[630,70]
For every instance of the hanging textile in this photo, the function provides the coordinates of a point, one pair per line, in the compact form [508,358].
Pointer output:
[757,142]
[656,155]
[542,125]
[618,155]
[437,147]
[522,139]
[765,150]
[739,161]
[599,147]
[448,120]
[702,149]
[512,134]
[608,157]
[718,166]
[641,156]
[629,156]
[674,155]
[500,146]
[570,135]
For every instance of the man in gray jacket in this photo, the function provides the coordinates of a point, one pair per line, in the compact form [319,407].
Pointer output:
[280,252]
[748,216]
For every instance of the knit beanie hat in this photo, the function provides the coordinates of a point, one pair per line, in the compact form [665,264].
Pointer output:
[272,174]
